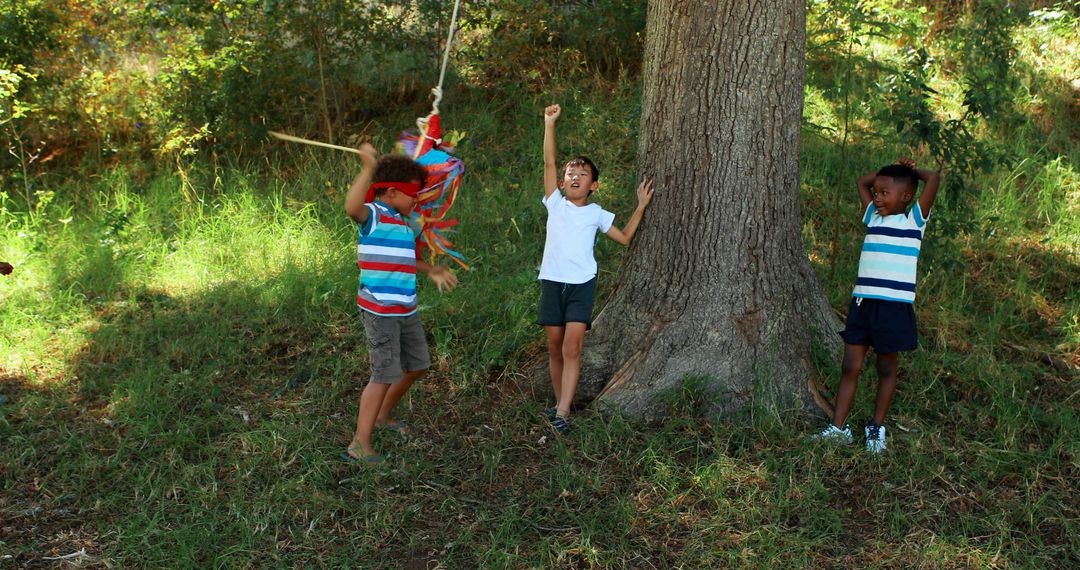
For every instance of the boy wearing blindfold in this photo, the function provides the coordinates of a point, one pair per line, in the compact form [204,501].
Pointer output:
[381,200]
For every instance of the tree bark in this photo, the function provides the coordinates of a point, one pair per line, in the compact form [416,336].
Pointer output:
[717,284]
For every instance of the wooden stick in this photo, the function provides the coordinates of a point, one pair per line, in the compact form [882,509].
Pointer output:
[291,138]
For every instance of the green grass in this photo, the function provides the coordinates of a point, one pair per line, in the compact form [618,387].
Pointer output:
[181,375]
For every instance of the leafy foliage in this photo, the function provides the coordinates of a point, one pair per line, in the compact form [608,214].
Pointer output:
[879,54]
[183,77]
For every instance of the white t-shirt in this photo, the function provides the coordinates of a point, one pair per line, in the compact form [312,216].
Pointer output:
[571,236]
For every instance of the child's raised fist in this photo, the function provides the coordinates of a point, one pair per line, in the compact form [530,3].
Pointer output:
[551,114]
[367,153]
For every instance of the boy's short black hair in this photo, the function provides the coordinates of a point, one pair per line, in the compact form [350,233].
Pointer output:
[583,161]
[397,168]
[901,173]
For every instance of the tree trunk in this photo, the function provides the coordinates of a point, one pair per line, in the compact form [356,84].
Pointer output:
[717,284]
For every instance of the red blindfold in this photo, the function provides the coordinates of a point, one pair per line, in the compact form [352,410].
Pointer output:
[408,188]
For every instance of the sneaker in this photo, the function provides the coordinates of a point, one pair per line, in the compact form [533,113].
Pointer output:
[833,433]
[550,413]
[561,424]
[875,438]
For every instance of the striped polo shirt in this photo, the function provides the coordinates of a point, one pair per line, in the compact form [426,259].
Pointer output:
[890,255]
[386,252]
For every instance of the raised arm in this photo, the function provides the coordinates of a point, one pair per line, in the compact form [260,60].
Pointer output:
[551,167]
[644,196]
[354,200]
[866,185]
[931,180]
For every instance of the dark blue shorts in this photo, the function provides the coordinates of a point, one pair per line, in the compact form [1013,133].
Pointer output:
[888,326]
[562,303]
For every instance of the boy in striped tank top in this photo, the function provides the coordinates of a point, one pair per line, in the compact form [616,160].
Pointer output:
[881,314]
[380,201]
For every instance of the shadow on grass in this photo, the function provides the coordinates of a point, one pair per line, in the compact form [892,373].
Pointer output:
[174,443]
[152,408]
[1053,109]
[203,428]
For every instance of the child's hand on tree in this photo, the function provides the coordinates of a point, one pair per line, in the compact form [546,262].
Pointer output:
[443,278]
[644,193]
[551,114]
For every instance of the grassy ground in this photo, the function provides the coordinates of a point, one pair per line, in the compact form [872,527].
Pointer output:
[180,375]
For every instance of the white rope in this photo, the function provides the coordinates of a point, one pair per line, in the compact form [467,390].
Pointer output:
[421,123]
[437,91]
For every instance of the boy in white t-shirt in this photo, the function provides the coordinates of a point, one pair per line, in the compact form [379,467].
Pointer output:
[568,271]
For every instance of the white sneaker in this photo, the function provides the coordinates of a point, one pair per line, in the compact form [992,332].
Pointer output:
[875,438]
[835,434]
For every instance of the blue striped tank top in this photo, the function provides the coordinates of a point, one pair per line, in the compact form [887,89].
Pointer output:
[386,252]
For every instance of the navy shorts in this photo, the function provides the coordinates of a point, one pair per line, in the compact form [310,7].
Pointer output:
[888,326]
[562,303]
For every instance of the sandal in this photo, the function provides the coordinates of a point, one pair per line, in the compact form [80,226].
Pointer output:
[369,459]
[397,426]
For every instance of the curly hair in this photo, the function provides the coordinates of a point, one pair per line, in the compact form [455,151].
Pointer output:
[397,168]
